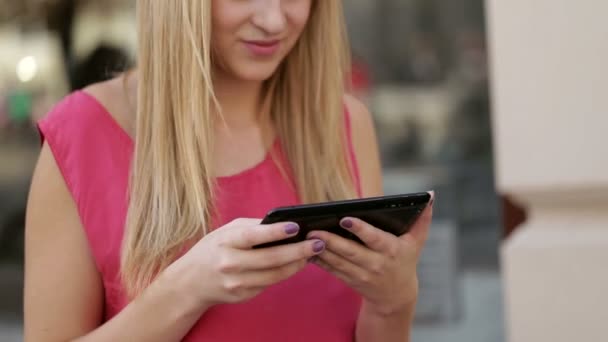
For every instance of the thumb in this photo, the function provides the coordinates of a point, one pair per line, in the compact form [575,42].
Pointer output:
[420,228]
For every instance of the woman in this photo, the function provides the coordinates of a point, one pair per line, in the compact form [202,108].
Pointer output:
[236,107]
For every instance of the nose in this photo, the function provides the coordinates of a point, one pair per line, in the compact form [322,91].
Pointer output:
[270,17]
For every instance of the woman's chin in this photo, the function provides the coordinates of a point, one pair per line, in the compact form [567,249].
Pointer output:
[256,72]
[255,77]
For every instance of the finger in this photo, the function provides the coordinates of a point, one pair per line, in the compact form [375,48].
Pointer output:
[373,237]
[268,277]
[272,257]
[420,229]
[245,222]
[348,279]
[348,249]
[344,266]
[246,236]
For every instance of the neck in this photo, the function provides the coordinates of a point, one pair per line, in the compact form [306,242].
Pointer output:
[240,100]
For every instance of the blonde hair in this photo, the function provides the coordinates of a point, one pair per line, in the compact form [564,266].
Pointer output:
[172,183]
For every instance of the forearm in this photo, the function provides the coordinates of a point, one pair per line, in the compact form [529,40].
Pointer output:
[163,312]
[381,326]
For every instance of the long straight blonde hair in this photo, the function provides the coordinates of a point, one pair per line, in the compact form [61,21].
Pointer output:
[172,184]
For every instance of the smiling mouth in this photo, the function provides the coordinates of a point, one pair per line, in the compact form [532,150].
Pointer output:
[263,48]
[263,42]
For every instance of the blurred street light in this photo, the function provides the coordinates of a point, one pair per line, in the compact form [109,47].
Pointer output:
[27,68]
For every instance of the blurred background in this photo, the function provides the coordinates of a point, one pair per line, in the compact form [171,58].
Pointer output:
[420,65]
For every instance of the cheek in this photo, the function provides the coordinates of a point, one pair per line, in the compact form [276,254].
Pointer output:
[220,44]
[299,14]
[227,18]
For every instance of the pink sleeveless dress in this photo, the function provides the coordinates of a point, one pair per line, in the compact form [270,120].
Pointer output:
[94,153]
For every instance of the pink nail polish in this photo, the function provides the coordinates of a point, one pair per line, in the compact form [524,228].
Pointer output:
[348,224]
[318,246]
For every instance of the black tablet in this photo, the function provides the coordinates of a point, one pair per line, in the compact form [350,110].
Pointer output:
[393,214]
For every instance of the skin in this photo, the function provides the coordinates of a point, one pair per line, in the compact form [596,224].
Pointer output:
[62,280]
[385,273]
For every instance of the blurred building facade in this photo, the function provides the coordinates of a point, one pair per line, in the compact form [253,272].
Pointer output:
[420,66]
[550,124]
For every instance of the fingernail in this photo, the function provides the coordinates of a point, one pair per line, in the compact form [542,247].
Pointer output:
[318,246]
[292,228]
[348,224]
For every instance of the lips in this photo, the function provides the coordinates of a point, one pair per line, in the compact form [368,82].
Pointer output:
[262,48]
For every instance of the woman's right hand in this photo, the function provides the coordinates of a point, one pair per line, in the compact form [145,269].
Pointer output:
[223,268]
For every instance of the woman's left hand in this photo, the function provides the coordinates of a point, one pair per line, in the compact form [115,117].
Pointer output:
[384,270]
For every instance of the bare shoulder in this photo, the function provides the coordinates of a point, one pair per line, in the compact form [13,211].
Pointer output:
[362,123]
[361,117]
[365,145]
[63,291]
[117,97]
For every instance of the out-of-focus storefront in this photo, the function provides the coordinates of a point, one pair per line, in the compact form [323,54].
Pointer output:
[47,49]
[421,67]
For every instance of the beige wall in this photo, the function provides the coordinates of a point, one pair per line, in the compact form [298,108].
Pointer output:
[550,60]
[550,91]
